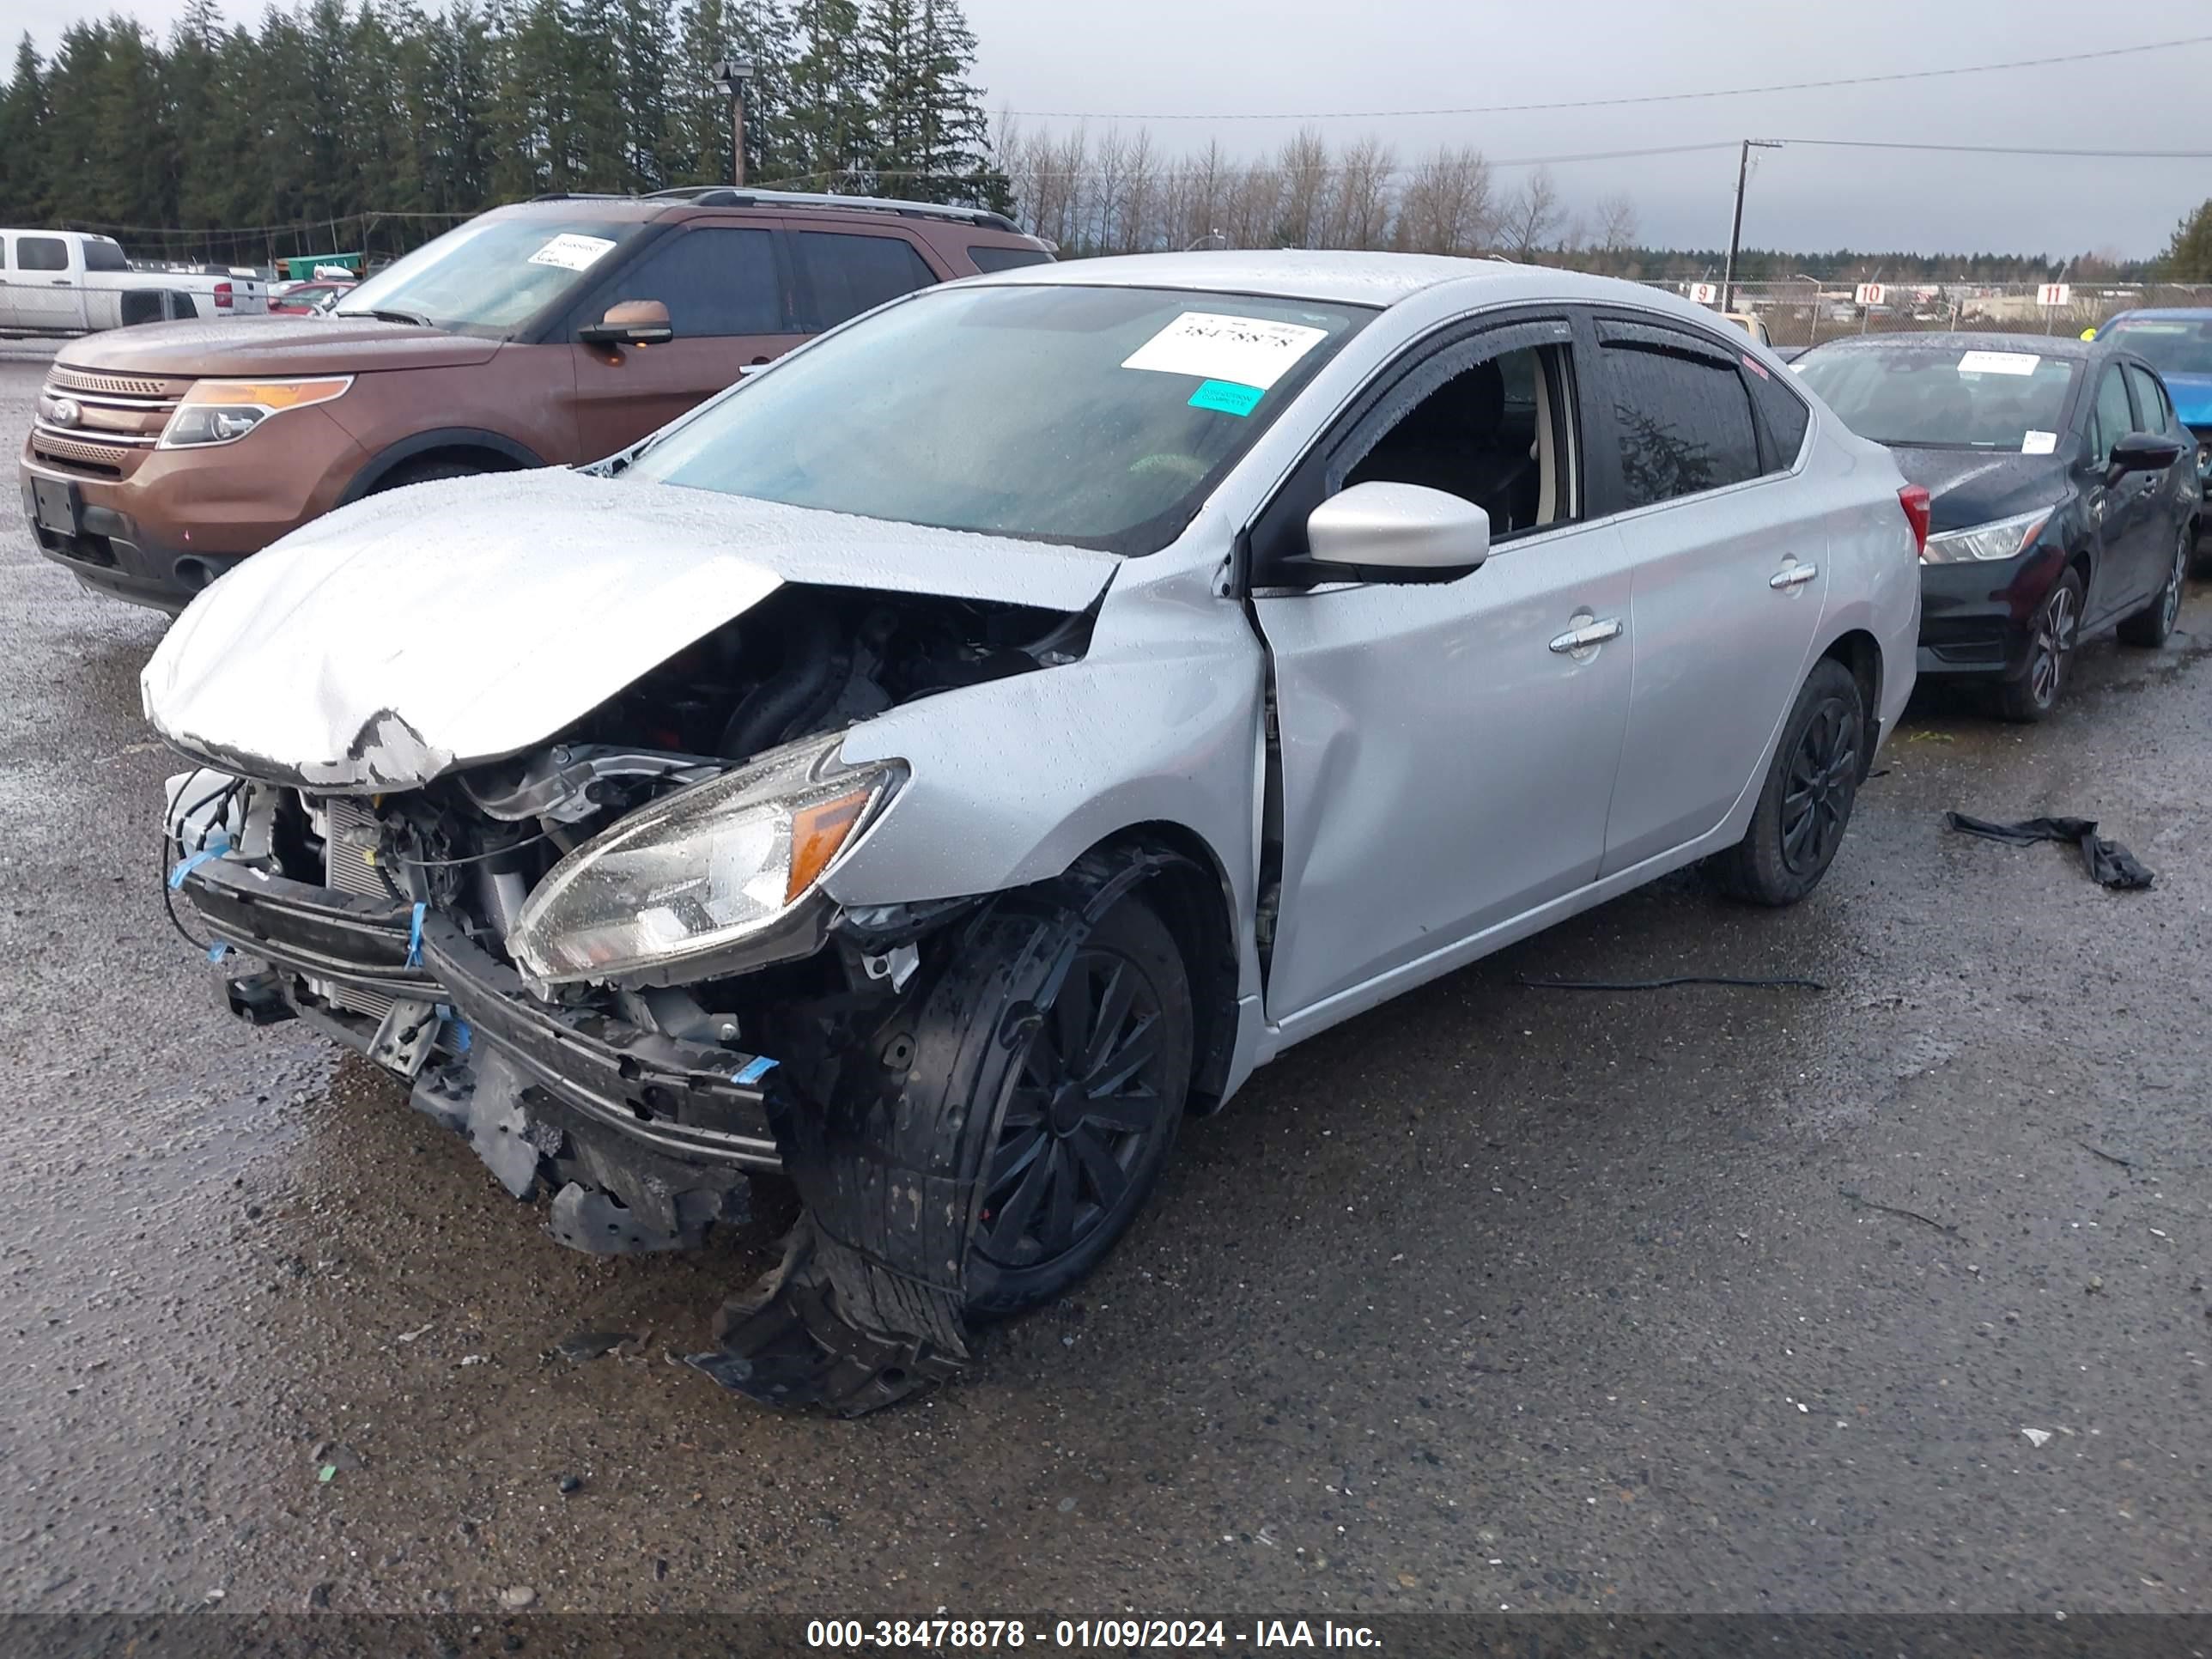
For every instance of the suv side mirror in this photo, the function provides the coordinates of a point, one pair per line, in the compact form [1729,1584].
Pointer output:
[630,323]
[2144,452]
[1393,533]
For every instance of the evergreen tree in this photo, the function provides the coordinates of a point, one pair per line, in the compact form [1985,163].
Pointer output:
[24,196]
[831,112]
[2188,258]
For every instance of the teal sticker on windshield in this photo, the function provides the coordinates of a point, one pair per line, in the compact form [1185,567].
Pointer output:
[1227,397]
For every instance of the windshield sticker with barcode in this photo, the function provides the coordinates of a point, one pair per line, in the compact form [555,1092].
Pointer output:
[2039,443]
[571,251]
[1242,350]
[1999,362]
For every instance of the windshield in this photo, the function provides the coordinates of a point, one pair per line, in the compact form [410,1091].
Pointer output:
[1099,417]
[2171,346]
[1951,398]
[489,276]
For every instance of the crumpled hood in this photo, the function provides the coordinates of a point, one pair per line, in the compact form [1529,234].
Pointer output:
[418,632]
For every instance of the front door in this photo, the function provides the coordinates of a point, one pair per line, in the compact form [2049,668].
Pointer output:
[1731,570]
[728,301]
[1448,749]
[44,293]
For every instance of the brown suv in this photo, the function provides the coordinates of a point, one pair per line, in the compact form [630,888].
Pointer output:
[556,331]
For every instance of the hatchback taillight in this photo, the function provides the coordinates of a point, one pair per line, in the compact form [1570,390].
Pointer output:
[1913,498]
[222,296]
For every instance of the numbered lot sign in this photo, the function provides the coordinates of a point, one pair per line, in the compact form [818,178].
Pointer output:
[1705,294]
[2054,294]
[1872,294]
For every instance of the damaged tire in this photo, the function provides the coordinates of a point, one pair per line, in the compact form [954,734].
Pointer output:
[1806,802]
[1092,1101]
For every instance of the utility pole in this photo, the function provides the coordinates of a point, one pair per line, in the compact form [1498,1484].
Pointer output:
[1735,231]
[734,78]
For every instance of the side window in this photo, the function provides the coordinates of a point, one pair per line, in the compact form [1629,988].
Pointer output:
[1497,430]
[41,254]
[101,254]
[2157,415]
[1787,417]
[715,280]
[847,275]
[2112,419]
[984,256]
[1683,421]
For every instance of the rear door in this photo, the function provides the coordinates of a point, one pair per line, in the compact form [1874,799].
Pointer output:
[1731,571]
[2171,493]
[45,284]
[727,289]
[843,272]
[2129,565]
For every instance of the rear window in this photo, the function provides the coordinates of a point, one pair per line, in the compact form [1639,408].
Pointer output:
[1951,396]
[847,275]
[989,257]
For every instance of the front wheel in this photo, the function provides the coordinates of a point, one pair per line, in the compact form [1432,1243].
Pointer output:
[1806,801]
[2053,635]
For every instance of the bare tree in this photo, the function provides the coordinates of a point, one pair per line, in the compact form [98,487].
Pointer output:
[1360,205]
[1303,207]
[1446,204]
[1140,183]
[1532,217]
[1617,228]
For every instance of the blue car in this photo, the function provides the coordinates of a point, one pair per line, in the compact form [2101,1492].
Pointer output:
[2178,343]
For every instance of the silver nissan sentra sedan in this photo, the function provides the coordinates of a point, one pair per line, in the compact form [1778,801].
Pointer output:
[921,775]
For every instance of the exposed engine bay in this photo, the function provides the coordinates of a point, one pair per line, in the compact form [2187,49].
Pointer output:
[422,928]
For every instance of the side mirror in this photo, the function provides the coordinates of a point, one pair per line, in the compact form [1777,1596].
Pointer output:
[631,322]
[1394,532]
[2144,452]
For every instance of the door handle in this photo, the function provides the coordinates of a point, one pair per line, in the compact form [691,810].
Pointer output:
[1589,634]
[1795,575]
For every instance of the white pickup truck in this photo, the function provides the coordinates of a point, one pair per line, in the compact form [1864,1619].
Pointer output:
[65,281]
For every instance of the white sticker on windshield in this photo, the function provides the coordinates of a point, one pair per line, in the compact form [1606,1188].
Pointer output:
[1243,350]
[571,251]
[2039,443]
[1999,362]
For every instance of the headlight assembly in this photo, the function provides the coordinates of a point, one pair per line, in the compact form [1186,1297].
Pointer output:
[2003,538]
[701,870]
[224,412]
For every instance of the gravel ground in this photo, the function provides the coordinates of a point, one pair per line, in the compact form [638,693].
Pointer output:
[1679,1301]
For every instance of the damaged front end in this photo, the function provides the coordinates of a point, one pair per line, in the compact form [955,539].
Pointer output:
[610,962]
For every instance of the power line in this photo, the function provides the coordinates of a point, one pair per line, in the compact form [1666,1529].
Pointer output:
[1889,77]
[2008,149]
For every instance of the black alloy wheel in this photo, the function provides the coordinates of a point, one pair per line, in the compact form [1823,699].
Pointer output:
[1091,1104]
[1824,775]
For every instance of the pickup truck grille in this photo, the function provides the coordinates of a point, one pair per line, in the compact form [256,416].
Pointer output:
[114,417]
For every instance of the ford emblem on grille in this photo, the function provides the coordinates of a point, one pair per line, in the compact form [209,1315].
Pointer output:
[67,412]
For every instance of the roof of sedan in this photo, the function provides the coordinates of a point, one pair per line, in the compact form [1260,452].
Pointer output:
[2035,346]
[1343,278]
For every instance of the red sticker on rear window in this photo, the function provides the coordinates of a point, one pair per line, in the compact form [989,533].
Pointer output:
[1756,367]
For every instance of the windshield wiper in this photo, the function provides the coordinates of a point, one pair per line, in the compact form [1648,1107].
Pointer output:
[388,316]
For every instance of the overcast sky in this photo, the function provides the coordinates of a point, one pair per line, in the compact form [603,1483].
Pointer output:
[1134,58]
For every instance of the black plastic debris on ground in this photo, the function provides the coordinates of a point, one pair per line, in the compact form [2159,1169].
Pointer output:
[2109,864]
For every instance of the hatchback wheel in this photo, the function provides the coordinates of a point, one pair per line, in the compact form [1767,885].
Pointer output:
[2052,636]
[1806,800]
[2153,625]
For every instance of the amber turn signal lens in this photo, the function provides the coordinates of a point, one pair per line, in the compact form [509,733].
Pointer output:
[264,394]
[817,833]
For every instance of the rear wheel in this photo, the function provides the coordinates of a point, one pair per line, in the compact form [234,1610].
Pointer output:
[2053,635]
[1806,802]
[2153,625]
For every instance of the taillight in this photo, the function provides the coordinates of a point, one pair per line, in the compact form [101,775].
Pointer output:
[222,300]
[1913,498]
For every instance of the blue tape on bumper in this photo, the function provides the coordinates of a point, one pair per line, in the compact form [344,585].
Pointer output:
[757,1068]
[415,936]
[216,847]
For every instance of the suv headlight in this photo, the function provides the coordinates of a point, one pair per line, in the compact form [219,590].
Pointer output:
[702,869]
[224,412]
[2003,538]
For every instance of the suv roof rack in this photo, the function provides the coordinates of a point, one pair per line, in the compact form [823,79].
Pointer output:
[731,195]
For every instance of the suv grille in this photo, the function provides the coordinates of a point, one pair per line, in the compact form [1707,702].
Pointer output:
[116,417]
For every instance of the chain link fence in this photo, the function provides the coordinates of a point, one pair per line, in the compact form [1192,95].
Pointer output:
[1804,311]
